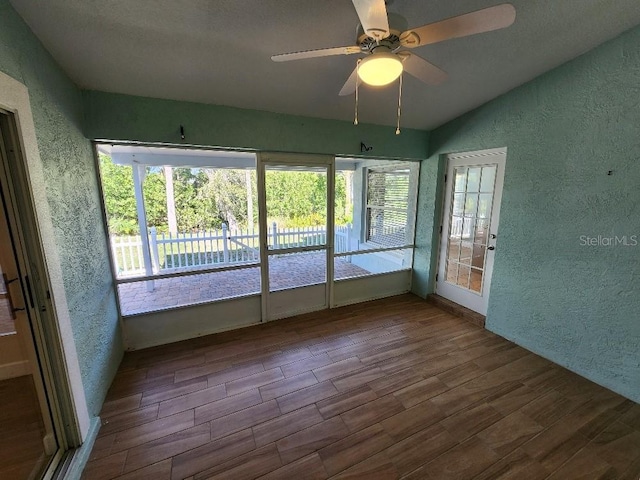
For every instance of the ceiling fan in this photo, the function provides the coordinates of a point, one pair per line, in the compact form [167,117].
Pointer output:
[381,36]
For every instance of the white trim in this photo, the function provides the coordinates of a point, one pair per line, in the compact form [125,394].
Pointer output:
[14,97]
[290,161]
[349,291]
[307,248]
[476,154]
[372,250]
[167,326]
[80,456]
[263,231]
[186,273]
[476,301]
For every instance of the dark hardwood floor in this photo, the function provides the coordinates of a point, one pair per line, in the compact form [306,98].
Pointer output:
[389,389]
[21,430]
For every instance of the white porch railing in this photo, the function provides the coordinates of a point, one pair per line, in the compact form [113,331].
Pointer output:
[460,229]
[216,247]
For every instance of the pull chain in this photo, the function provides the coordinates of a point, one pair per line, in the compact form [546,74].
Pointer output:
[399,105]
[355,120]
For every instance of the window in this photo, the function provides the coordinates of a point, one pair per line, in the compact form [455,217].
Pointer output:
[387,206]
[375,216]
[182,225]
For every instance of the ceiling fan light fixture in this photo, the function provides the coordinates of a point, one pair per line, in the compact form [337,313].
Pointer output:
[380,69]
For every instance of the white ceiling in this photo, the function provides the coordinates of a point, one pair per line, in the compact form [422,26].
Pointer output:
[218,51]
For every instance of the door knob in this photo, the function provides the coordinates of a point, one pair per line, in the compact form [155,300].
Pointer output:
[491,247]
[493,236]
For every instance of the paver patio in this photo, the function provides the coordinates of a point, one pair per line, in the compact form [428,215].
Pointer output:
[285,271]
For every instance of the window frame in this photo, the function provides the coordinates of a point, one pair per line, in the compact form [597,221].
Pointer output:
[412,194]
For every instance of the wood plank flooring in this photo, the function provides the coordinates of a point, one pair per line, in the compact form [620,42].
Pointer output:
[395,388]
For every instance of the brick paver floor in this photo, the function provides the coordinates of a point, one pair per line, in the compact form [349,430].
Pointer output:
[285,271]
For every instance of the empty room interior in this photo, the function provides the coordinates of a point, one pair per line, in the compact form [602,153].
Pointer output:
[347,239]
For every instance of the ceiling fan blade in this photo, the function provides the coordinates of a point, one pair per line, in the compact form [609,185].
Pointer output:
[323,52]
[485,20]
[373,17]
[350,85]
[424,71]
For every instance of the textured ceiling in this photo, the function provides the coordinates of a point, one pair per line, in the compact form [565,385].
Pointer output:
[218,51]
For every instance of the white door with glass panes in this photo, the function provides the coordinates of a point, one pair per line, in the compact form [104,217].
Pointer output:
[469,237]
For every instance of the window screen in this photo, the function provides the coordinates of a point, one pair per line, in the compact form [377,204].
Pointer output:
[387,205]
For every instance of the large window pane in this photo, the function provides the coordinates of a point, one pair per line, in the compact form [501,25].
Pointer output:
[387,215]
[361,264]
[152,295]
[177,211]
[375,204]
[296,206]
[297,270]
[164,217]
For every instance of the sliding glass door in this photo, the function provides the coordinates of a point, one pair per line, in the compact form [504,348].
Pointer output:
[297,232]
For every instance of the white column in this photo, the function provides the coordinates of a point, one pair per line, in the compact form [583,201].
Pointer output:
[171,203]
[247,179]
[139,172]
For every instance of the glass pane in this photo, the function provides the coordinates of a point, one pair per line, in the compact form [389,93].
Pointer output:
[362,264]
[457,224]
[453,252]
[461,179]
[346,238]
[463,276]
[476,280]
[467,228]
[7,324]
[387,227]
[478,255]
[458,204]
[471,205]
[196,216]
[481,231]
[374,204]
[22,430]
[187,251]
[148,296]
[297,270]
[23,426]
[451,275]
[466,250]
[296,206]
[473,180]
[484,205]
[488,179]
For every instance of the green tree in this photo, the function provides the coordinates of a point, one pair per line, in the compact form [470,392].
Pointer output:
[195,209]
[207,197]
[119,197]
[154,190]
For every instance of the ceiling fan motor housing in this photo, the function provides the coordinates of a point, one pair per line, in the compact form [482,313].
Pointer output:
[397,25]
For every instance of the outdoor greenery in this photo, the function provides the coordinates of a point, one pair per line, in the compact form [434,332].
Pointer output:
[205,198]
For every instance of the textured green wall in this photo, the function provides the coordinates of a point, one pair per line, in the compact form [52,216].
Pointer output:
[123,117]
[72,194]
[576,305]
[427,231]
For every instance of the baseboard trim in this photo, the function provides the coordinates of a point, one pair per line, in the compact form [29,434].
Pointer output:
[457,310]
[14,369]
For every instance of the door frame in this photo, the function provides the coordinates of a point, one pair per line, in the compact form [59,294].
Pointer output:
[38,258]
[493,225]
[265,159]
